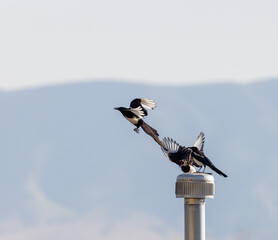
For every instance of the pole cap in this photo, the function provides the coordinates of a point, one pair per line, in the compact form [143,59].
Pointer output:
[196,185]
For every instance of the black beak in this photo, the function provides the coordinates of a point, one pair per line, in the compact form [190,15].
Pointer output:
[116,108]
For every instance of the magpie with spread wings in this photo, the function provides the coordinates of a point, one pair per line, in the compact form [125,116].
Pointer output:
[135,114]
[178,155]
[187,157]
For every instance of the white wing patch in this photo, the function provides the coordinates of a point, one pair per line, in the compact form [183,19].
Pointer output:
[171,145]
[200,164]
[200,141]
[148,103]
[138,112]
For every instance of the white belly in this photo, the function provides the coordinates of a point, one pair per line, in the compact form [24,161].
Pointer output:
[198,162]
[133,120]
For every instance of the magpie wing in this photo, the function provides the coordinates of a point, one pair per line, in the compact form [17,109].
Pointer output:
[144,102]
[200,141]
[148,103]
[174,152]
[138,112]
[171,145]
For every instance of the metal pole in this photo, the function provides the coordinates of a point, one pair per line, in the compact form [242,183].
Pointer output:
[194,219]
[194,188]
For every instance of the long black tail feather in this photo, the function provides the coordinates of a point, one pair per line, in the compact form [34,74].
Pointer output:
[211,165]
[153,133]
[208,163]
[218,171]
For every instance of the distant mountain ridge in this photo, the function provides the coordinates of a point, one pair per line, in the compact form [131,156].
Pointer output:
[68,145]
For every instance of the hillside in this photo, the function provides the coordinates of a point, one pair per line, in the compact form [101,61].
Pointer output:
[68,158]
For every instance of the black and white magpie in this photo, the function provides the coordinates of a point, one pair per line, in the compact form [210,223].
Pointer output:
[178,155]
[198,156]
[135,114]
[187,157]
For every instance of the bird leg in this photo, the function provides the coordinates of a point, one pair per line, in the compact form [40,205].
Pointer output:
[136,130]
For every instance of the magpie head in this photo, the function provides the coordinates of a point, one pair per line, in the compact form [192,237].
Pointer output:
[119,108]
[188,169]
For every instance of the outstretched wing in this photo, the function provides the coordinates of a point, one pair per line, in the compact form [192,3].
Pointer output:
[171,145]
[200,141]
[148,103]
[144,102]
[175,152]
[137,111]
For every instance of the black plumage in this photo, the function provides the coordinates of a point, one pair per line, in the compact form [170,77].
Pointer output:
[189,156]
[178,155]
[198,157]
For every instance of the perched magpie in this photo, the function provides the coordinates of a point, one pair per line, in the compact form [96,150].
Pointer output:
[198,156]
[135,114]
[178,155]
[189,156]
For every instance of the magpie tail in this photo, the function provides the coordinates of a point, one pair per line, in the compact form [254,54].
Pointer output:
[153,133]
[203,159]
[217,170]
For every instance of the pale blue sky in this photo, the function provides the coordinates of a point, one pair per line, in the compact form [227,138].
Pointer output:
[153,41]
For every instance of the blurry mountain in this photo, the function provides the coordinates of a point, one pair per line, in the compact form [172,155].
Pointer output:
[65,152]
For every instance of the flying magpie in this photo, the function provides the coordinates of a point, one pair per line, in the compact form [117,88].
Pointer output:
[135,114]
[178,155]
[190,156]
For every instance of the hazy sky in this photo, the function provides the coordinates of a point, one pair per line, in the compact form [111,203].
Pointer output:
[155,41]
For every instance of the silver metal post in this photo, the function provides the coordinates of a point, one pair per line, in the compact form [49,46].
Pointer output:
[194,188]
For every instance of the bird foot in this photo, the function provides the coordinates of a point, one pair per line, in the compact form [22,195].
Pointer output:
[136,130]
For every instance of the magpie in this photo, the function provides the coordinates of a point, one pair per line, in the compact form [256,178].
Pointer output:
[198,157]
[178,155]
[187,157]
[135,114]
